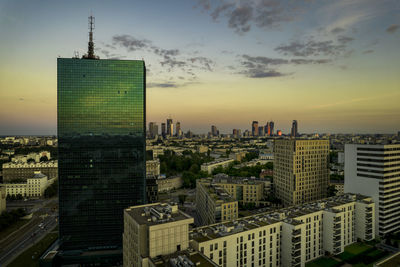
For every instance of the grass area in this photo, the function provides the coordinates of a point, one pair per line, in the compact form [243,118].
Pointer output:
[30,257]
[324,261]
[357,248]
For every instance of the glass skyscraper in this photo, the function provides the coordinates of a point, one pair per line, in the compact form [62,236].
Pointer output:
[101,139]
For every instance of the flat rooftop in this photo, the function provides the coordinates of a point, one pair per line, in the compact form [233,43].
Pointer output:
[288,215]
[157,213]
[183,258]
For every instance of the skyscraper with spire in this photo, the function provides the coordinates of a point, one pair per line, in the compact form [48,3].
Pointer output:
[101,139]
[294,132]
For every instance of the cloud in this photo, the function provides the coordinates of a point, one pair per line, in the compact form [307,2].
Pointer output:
[392,28]
[368,51]
[337,30]
[162,85]
[315,48]
[130,42]
[263,67]
[202,62]
[241,15]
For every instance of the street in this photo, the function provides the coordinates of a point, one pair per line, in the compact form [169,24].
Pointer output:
[44,214]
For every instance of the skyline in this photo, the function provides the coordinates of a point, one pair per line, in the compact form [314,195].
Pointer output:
[333,67]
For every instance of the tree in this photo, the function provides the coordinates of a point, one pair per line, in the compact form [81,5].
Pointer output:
[332,191]
[44,158]
[182,199]
[30,161]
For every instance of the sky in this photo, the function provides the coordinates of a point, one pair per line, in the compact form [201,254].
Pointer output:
[334,66]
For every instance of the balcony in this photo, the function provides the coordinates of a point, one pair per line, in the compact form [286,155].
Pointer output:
[336,219]
[337,244]
[368,216]
[337,226]
[296,240]
[368,209]
[337,232]
[296,232]
[295,254]
[296,246]
[337,238]
[337,251]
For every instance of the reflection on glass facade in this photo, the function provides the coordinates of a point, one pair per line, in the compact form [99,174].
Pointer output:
[101,138]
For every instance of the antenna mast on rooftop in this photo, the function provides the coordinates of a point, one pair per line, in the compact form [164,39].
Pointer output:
[90,54]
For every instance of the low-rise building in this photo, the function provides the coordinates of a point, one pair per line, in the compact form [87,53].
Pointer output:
[244,190]
[238,156]
[153,230]
[210,166]
[339,186]
[34,187]
[153,168]
[13,171]
[213,203]
[31,156]
[168,184]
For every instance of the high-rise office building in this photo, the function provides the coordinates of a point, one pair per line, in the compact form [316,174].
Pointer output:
[278,132]
[170,127]
[374,170]
[101,141]
[254,128]
[214,130]
[271,127]
[163,130]
[267,129]
[261,131]
[294,132]
[178,129]
[301,170]
[153,129]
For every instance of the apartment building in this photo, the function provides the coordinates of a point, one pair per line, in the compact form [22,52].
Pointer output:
[288,237]
[153,230]
[22,171]
[153,168]
[244,190]
[301,170]
[213,203]
[168,184]
[210,166]
[34,187]
[374,170]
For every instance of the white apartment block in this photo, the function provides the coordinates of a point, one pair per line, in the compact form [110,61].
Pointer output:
[210,166]
[288,237]
[153,230]
[374,170]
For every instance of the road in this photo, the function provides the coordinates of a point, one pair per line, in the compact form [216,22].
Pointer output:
[18,241]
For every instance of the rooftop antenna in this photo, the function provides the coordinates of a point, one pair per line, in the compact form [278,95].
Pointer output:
[90,54]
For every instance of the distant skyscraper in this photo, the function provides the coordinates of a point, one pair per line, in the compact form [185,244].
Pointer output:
[271,126]
[153,129]
[170,127]
[261,131]
[279,132]
[163,130]
[178,129]
[254,128]
[214,130]
[268,129]
[101,141]
[301,170]
[294,132]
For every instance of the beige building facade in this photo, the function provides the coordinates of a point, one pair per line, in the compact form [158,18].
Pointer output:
[153,168]
[34,187]
[210,166]
[2,198]
[213,203]
[168,184]
[22,171]
[301,170]
[153,230]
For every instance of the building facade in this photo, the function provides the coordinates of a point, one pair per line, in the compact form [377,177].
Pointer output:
[288,237]
[301,170]
[294,131]
[153,168]
[170,183]
[213,203]
[210,166]
[153,230]
[254,128]
[101,140]
[34,187]
[20,171]
[2,198]
[374,170]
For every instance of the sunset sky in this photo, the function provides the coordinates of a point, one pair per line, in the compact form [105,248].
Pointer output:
[334,66]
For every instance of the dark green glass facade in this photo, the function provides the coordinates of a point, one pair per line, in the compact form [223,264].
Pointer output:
[101,139]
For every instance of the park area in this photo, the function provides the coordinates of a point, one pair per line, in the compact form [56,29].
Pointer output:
[358,254]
